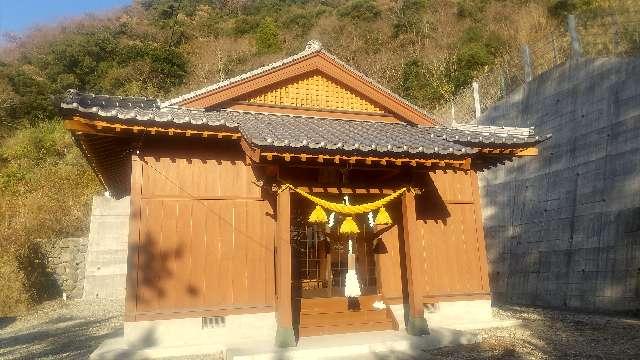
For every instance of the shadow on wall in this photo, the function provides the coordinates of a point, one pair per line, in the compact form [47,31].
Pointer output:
[32,262]
[157,275]
[562,229]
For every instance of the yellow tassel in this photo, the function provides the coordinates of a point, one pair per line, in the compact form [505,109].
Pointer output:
[318,216]
[383,217]
[349,226]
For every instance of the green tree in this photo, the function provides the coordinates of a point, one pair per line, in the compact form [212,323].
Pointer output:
[267,37]
[562,8]
[408,17]
[472,9]
[476,51]
[359,11]
[426,84]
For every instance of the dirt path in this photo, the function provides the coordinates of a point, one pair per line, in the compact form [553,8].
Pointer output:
[73,329]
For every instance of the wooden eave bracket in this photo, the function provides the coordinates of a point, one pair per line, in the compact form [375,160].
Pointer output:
[252,153]
[529,151]
[79,124]
[463,164]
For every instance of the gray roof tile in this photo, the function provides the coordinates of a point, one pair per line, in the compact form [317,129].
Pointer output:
[275,131]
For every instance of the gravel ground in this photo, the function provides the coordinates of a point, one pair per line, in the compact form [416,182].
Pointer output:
[60,330]
[73,329]
[552,334]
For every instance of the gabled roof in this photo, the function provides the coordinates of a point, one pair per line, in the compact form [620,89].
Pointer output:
[314,50]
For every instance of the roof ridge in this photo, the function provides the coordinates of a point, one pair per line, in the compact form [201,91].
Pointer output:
[74,93]
[311,117]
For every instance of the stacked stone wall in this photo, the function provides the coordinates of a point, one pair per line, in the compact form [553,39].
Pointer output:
[66,263]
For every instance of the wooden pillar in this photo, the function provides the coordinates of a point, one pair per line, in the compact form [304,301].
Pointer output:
[482,249]
[134,239]
[284,336]
[417,324]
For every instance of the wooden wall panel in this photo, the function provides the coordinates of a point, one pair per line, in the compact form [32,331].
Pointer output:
[448,228]
[206,241]
[388,265]
[166,177]
[201,254]
[453,186]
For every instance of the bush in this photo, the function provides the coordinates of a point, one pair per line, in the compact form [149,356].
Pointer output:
[267,37]
[472,9]
[476,51]
[562,8]
[45,193]
[359,11]
[244,25]
[301,22]
[408,18]
[427,85]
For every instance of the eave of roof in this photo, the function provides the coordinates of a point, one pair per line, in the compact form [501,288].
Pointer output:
[278,131]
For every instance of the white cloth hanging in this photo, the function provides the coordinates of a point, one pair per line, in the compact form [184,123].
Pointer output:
[351,284]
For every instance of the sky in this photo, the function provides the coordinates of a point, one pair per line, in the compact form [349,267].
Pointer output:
[19,15]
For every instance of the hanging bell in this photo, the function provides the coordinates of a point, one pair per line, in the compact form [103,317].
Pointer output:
[349,226]
[318,216]
[383,217]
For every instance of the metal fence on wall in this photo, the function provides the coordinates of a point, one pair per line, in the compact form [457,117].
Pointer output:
[610,34]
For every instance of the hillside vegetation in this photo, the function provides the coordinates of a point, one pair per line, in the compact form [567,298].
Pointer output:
[423,49]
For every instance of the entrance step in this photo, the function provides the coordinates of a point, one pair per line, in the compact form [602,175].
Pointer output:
[372,345]
[325,316]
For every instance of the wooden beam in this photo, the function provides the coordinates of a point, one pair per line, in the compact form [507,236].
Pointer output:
[461,164]
[344,190]
[251,152]
[118,128]
[532,151]
[417,325]
[79,127]
[284,335]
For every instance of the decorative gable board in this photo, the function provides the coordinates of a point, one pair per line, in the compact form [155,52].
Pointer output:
[237,94]
[315,92]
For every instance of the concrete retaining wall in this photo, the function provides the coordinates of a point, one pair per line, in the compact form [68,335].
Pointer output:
[106,265]
[563,228]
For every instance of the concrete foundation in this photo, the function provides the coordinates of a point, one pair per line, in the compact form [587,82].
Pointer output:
[464,315]
[563,228]
[398,313]
[367,345]
[226,331]
[106,260]
[457,315]
[191,336]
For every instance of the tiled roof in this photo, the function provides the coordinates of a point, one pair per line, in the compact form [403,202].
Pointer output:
[266,130]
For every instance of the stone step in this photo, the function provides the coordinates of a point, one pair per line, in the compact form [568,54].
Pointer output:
[106,257]
[345,327]
[109,286]
[307,319]
[365,345]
